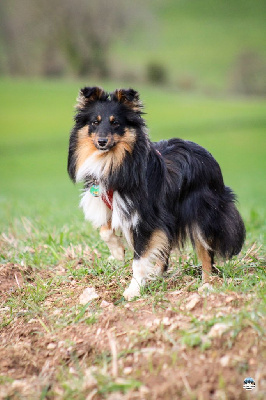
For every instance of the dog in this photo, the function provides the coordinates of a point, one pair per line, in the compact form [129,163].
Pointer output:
[158,194]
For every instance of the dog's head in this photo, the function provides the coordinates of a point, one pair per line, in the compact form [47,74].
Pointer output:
[106,125]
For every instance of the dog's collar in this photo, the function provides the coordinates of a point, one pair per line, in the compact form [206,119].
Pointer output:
[107,197]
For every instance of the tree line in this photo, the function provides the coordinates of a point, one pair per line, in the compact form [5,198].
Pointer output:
[60,37]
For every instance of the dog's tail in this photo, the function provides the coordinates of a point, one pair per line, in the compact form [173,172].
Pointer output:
[218,225]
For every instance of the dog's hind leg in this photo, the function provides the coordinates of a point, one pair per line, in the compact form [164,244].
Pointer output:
[206,258]
[150,258]
[113,242]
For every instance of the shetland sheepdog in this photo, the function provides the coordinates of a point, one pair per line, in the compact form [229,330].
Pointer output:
[158,194]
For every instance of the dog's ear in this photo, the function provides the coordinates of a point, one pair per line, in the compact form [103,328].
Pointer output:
[88,95]
[128,97]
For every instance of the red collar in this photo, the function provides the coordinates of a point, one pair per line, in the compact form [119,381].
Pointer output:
[108,199]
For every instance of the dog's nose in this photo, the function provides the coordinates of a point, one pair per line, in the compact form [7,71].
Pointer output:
[102,142]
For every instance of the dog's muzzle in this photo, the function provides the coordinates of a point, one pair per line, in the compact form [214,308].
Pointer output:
[102,143]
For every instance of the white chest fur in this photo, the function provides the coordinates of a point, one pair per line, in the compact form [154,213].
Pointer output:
[123,218]
[95,210]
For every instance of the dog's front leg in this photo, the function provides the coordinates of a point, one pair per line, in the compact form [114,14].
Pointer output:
[141,272]
[113,242]
[150,257]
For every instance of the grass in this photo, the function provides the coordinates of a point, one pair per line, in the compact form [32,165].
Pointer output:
[34,141]
[48,255]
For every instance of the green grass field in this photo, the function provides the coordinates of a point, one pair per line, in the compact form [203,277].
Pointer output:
[36,117]
[61,349]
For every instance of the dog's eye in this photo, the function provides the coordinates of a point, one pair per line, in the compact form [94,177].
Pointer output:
[115,124]
[96,122]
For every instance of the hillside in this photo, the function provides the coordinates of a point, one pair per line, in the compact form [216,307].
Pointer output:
[199,43]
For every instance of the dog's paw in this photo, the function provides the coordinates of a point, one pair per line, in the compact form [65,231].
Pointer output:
[118,253]
[131,292]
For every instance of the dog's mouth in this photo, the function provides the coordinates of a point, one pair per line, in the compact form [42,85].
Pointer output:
[104,143]
[104,147]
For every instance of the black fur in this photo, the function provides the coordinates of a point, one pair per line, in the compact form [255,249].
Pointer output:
[174,185]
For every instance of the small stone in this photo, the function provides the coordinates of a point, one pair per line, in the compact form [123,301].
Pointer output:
[229,299]
[206,288]
[89,380]
[51,346]
[254,350]
[175,292]
[87,295]
[219,314]
[224,361]
[166,321]
[105,304]
[194,300]
[127,370]
[175,325]
[144,390]
[218,330]
[99,330]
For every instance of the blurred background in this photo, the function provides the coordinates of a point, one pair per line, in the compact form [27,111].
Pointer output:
[199,65]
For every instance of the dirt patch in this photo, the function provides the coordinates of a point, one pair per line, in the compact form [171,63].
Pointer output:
[184,345]
[11,278]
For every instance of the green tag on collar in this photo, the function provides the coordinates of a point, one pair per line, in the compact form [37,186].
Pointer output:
[95,190]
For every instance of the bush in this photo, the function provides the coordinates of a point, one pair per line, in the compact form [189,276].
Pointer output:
[156,73]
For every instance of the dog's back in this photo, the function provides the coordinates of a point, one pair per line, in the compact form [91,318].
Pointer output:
[203,207]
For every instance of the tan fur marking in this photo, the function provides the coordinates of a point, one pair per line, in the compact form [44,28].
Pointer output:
[127,141]
[99,92]
[107,227]
[99,118]
[85,146]
[119,94]
[205,258]
[112,118]
[158,247]
[113,242]
[81,101]
[115,156]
